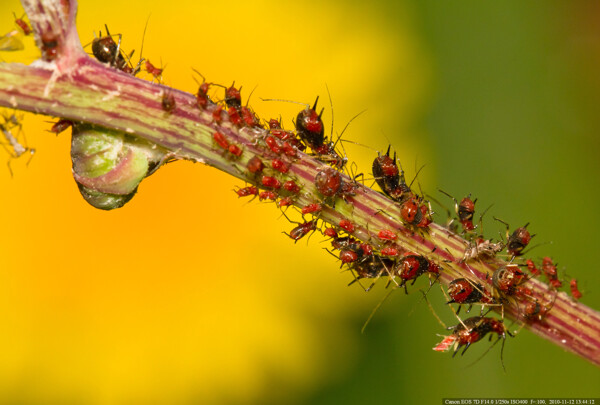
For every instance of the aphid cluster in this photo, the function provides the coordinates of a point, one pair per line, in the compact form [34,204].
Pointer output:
[364,260]
[274,176]
[272,179]
[380,256]
[508,283]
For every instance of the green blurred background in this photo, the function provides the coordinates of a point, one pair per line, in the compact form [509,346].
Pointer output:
[188,295]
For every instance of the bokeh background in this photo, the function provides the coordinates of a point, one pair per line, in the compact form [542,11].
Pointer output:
[189,295]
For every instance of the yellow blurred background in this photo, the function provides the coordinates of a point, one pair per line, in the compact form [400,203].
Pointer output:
[188,295]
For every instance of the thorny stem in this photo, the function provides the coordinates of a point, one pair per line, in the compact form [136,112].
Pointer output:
[69,84]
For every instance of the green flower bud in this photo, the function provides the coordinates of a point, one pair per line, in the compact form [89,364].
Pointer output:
[104,201]
[108,165]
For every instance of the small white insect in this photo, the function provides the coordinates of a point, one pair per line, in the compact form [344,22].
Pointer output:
[12,145]
[482,250]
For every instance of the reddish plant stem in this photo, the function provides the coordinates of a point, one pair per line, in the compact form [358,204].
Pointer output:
[73,86]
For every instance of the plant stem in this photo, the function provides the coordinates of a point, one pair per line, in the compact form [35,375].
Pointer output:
[71,85]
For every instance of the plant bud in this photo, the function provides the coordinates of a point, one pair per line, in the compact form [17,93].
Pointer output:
[104,201]
[109,165]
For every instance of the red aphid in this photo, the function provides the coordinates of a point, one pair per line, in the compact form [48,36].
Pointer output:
[389,251]
[27,30]
[330,184]
[410,210]
[463,291]
[217,114]
[274,124]
[556,283]
[309,126]
[390,178]
[348,256]
[234,116]
[351,249]
[284,202]
[434,268]
[273,144]
[523,292]
[465,211]
[282,134]
[267,195]
[410,267]
[531,309]
[247,191]
[387,235]
[288,149]
[291,186]
[202,98]
[270,182]
[221,140]
[415,214]
[330,232]
[549,270]
[60,126]
[235,150]
[574,289]
[311,208]
[233,97]
[302,230]
[508,279]
[535,311]
[549,267]
[531,267]
[348,189]
[346,225]
[249,117]
[280,166]
[255,165]
[518,241]
[326,153]
[289,141]
[153,70]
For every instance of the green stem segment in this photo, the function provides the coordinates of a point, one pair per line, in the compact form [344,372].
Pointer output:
[78,88]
